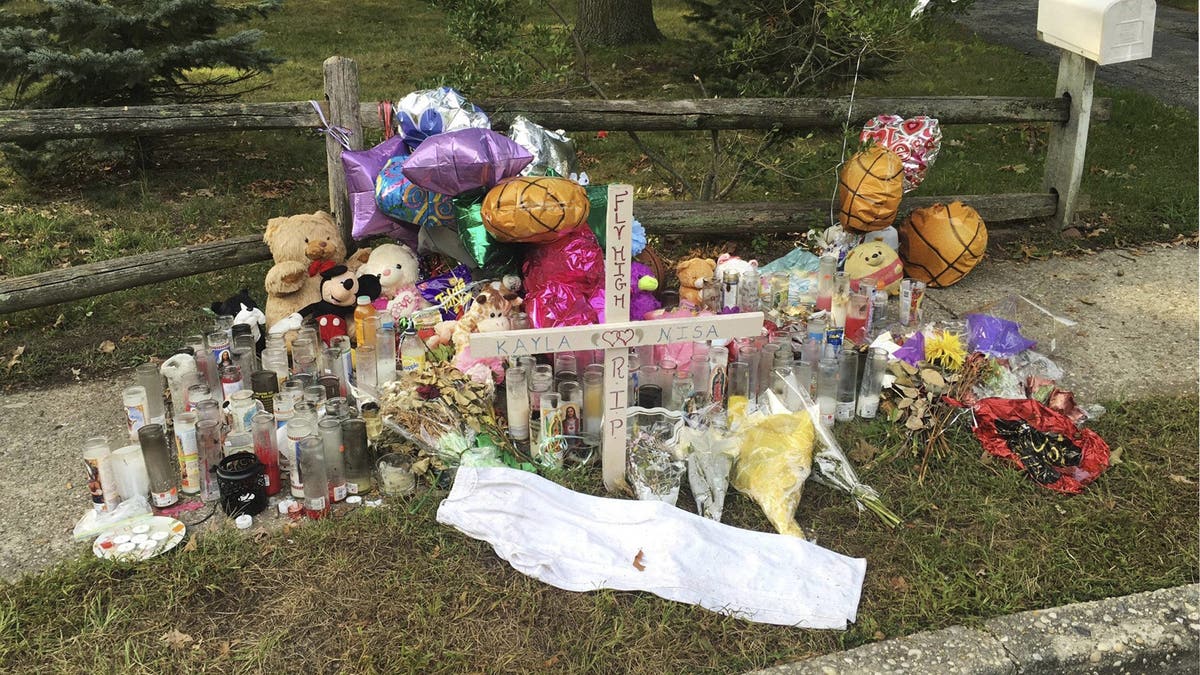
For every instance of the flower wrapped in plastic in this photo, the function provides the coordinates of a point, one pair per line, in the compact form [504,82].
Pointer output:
[446,414]
[775,457]
[710,450]
[831,467]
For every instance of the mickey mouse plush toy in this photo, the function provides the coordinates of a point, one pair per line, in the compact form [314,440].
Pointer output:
[340,289]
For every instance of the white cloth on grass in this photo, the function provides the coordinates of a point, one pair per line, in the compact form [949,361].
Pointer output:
[582,543]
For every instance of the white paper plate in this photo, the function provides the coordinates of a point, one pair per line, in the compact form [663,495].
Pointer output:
[162,535]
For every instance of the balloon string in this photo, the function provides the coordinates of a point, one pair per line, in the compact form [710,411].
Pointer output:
[339,134]
[845,130]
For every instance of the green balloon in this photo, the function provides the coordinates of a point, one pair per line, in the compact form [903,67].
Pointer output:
[493,258]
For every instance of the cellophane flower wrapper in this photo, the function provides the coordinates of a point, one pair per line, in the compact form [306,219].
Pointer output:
[710,452]
[775,456]
[831,466]
[429,112]
[654,470]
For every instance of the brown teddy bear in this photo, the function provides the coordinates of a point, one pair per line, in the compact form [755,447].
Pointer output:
[302,247]
[692,274]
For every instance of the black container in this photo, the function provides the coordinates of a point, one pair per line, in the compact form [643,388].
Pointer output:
[265,384]
[243,489]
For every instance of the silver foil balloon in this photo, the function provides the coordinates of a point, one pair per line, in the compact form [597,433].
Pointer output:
[550,149]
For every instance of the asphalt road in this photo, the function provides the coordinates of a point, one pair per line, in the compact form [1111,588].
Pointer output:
[1170,75]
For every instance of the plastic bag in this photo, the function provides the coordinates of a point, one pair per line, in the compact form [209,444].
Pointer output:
[93,523]
[995,336]
[710,454]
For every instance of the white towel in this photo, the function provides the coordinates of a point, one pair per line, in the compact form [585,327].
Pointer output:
[582,543]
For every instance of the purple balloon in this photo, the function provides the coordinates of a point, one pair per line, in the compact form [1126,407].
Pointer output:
[460,161]
[362,168]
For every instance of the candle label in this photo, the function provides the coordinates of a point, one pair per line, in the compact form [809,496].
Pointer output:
[164,499]
[189,458]
[92,466]
[844,411]
[136,416]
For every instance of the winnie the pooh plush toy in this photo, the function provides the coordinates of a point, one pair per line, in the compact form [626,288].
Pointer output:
[692,274]
[302,247]
[877,261]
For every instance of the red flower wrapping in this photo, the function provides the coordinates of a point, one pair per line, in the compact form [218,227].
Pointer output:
[1071,479]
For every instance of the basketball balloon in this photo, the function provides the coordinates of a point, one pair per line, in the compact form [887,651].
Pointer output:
[940,244]
[534,209]
[870,186]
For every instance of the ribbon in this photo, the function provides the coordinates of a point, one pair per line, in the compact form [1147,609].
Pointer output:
[339,134]
[385,118]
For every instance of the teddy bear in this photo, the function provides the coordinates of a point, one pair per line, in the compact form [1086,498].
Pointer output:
[302,246]
[732,263]
[692,274]
[395,265]
[491,310]
[875,260]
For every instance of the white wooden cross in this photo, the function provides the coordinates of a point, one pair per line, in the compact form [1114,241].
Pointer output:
[617,334]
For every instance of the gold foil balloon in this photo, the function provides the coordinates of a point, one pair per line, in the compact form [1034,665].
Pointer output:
[940,244]
[870,186]
[534,210]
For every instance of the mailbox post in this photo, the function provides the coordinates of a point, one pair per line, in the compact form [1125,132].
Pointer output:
[1089,33]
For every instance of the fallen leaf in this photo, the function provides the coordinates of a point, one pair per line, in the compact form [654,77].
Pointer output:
[1181,479]
[70,485]
[899,584]
[1015,168]
[108,347]
[223,650]
[1114,457]
[551,661]
[16,358]
[933,378]
[58,323]
[177,639]
[863,452]
[914,423]
[637,561]
[878,635]
[189,546]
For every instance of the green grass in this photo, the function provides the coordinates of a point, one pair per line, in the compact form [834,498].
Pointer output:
[1141,176]
[391,591]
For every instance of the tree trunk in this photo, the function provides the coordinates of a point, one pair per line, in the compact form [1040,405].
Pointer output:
[617,22]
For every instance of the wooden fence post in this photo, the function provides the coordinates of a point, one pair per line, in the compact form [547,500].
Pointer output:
[341,95]
[1068,140]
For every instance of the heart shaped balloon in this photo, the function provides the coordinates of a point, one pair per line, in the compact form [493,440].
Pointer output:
[916,141]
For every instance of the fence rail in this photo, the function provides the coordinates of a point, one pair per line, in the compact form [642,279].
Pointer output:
[568,114]
[342,107]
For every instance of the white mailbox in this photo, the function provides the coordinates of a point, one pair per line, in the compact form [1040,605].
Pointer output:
[1105,31]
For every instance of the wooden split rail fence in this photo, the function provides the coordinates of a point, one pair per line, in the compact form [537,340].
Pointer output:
[343,108]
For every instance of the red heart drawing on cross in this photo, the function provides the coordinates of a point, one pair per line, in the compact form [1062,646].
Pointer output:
[622,337]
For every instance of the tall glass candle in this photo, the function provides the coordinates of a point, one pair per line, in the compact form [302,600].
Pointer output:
[367,364]
[739,387]
[827,382]
[129,471]
[718,374]
[593,405]
[570,412]
[847,389]
[160,465]
[218,346]
[316,479]
[840,300]
[516,389]
[358,456]
[151,380]
[872,383]
[826,268]
[858,317]
[299,429]
[134,399]
[346,371]
[550,442]
[700,370]
[385,355]
[666,379]
[209,446]
[246,362]
[729,290]
[330,431]
[188,449]
[748,291]
[267,449]
[206,368]
[276,359]
[97,462]
[304,356]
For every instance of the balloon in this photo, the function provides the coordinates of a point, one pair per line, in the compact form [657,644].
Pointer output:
[399,198]
[460,161]
[362,168]
[534,210]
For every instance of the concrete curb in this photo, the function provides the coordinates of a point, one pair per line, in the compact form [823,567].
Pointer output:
[1153,632]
